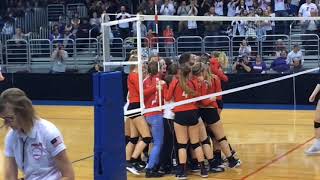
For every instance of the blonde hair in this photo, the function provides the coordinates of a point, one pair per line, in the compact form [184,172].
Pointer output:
[21,106]
[133,58]
[183,80]
[223,60]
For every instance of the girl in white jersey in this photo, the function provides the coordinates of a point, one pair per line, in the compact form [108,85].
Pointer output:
[33,145]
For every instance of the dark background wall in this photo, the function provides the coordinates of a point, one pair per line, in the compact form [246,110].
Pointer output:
[78,87]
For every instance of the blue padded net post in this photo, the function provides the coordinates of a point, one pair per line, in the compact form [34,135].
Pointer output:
[109,142]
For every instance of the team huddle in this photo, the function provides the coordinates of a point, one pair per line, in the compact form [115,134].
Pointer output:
[199,139]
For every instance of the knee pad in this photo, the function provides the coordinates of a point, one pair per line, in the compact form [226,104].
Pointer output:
[181,146]
[222,139]
[316,125]
[134,140]
[195,146]
[206,141]
[127,139]
[147,140]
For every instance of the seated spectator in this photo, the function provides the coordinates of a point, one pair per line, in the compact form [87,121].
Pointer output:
[296,54]
[259,66]
[55,35]
[83,31]
[59,57]
[296,65]
[242,65]
[67,40]
[62,23]
[280,65]
[95,21]
[75,21]
[151,41]
[280,46]
[19,35]
[245,49]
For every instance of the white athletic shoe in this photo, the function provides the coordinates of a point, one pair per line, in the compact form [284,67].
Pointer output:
[132,169]
[313,150]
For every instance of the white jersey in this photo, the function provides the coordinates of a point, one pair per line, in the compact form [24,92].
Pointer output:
[34,153]
[306,9]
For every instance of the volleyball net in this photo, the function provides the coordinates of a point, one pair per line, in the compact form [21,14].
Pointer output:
[268,46]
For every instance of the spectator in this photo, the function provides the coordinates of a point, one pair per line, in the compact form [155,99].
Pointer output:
[263,4]
[259,66]
[7,28]
[232,5]
[124,28]
[269,26]
[75,21]
[20,35]
[218,7]
[183,10]
[212,28]
[245,49]
[55,35]
[169,41]
[192,25]
[167,9]
[142,27]
[295,54]
[84,28]
[67,40]
[95,21]
[151,41]
[280,46]
[296,65]
[280,9]
[59,57]
[294,7]
[308,9]
[242,65]
[241,8]
[280,65]
[204,7]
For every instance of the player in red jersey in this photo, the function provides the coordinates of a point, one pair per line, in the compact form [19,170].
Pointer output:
[186,124]
[211,118]
[138,124]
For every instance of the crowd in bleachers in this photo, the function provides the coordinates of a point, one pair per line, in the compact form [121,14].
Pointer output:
[76,26]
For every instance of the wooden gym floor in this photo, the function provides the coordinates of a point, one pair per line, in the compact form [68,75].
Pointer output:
[270,143]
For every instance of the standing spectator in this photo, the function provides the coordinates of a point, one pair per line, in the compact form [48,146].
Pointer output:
[218,7]
[204,7]
[169,41]
[241,8]
[84,28]
[307,10]
[142,27]
[167,9]
[124,28]
[245,48]
[152,42]
[232,5]
[192,25]
[269,25]
[294,7]
[149,9]
[280,9]
[183,10]
[263,4]
[259,66]
[212,28]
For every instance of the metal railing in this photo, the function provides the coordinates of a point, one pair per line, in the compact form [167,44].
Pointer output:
[77,8]
[217,43]
[190,44]
[272,44]
[17,53]
[166,45]
[86,51]
[54,11]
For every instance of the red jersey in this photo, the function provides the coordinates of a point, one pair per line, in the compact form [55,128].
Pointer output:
[217,84]
[205,90]
[133,88]
[151,94]
[216,69]
[176,93]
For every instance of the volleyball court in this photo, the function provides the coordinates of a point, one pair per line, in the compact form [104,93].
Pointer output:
[173,116]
